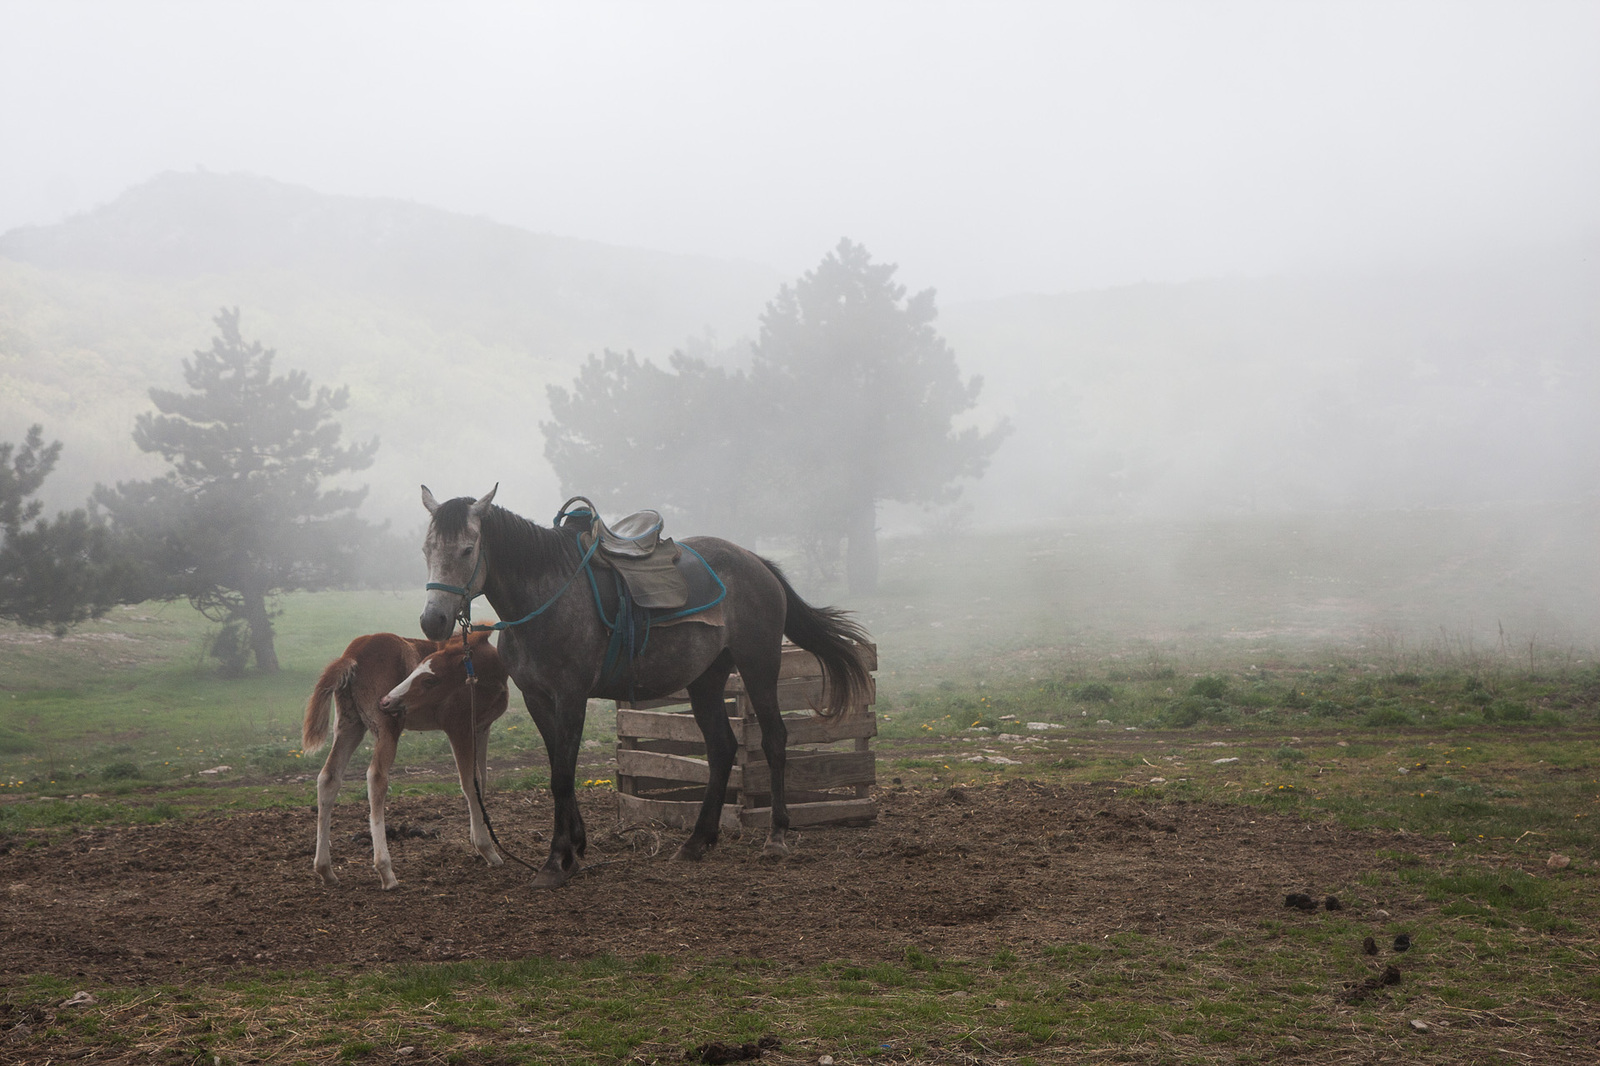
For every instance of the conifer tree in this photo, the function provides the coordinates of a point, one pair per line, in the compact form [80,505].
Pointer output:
[242,516]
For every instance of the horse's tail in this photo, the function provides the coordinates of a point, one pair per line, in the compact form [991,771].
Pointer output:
[830,635]
[314,730]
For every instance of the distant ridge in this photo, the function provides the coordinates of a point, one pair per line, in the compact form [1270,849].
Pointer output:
[194,224]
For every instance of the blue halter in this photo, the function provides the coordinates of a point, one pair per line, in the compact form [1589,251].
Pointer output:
[469,595]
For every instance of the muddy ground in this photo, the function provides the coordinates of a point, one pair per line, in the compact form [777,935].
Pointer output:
[957,872]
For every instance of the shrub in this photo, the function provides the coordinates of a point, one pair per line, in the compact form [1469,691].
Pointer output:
[13,743]
[121,771]
[1094,692]
[1211,687]
[1192,710]
[1507,711]
[1387,716]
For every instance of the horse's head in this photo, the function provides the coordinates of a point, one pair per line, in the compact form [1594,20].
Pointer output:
[457,568]
[442,674]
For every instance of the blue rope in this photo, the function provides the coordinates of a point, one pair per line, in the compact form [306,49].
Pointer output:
[583,566]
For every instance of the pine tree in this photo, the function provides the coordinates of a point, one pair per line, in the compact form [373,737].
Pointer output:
[57,572]
[242,516]
[863,395]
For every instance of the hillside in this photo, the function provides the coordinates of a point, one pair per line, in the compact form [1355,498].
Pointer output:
[1456,385]
[1450,385]
[446,328]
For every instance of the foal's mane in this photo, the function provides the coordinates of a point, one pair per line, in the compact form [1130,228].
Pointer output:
[522,551]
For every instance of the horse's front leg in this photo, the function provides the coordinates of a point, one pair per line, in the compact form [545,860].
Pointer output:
[471,759]
[560,723]
[384,743]
[706,697]
[345,741]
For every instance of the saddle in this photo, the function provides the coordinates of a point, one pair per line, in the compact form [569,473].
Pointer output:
[654,582]
[643,560]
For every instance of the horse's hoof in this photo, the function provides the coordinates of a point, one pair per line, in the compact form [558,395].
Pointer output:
[327,877]
[494,860]
[553,876]
[390,882]
[689,852]
[775,849]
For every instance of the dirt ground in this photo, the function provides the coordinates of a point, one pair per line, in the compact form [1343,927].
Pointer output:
[956,872]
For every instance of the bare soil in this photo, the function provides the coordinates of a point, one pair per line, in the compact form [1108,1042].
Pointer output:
[956,872]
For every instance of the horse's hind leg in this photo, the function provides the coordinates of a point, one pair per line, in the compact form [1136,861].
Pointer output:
[384,743]
[706,697]
[472,758]
[345,742]
[763,697]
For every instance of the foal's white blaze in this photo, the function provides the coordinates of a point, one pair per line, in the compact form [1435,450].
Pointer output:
[398,693]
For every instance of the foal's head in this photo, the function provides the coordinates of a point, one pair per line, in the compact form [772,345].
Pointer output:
[443,675]
[454,551]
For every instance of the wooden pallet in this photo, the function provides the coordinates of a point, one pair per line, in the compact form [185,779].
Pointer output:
[831,768]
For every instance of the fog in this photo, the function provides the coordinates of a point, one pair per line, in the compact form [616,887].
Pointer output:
[989,149]
[1228,259]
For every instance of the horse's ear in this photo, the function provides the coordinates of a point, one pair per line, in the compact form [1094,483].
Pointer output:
[478,508]
[428,501]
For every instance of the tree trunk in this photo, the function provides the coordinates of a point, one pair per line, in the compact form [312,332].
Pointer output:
[255,616]
[861,548]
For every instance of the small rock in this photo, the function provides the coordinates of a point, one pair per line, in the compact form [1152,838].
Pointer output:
[1381,914]
[826,1060]
[217,770]
[80,999]
[1557,861]
[1420,1026]
[1224,762]
[404,1050]
[1402,942]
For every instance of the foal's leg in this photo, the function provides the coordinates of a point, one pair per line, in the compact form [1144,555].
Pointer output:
[705,695]
[561,726]
[384,742]
[345,741]
[471,754]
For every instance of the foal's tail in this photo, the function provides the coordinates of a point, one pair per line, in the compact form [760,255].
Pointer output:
[314,730]
[830,635]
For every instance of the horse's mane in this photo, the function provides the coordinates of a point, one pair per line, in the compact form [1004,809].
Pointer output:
[522,550]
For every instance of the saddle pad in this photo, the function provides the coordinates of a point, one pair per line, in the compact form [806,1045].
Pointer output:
[659,582]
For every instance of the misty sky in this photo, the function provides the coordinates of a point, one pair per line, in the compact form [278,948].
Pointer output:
[987,148]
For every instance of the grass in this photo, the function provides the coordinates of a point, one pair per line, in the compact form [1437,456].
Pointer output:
[1216,673]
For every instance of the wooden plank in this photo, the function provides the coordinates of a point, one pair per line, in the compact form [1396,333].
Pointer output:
[674,700]
[812,729]
[818,771]
[803,694]
[671,747]
[659,764]
[664,725]
[799,663]
[846,810]
[678,814]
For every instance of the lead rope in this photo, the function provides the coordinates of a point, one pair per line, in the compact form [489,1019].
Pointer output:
[477,785]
